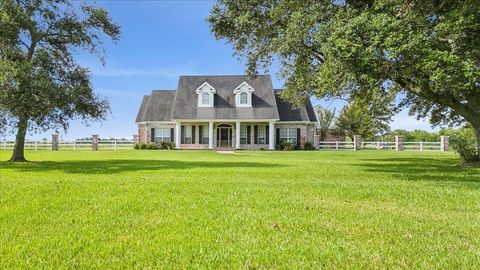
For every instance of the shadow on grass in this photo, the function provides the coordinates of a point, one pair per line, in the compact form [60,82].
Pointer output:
[113,166]
[422,169]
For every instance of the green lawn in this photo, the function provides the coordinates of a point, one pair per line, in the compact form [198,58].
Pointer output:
[275,210]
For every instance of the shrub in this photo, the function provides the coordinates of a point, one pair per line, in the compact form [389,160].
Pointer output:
[170,145]
[151,146]
[467,149]
[137,146]
[285,145]
[142,146]
[308,146]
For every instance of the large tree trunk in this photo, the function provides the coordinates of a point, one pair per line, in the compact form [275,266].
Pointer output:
[19,148]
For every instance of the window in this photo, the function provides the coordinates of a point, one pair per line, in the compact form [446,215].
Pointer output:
[243,98]
[261,134]
[243,134]
[205,98]
[288,134]
[243,95]
[162,135]
[186,134]
[204,134]
[206,95]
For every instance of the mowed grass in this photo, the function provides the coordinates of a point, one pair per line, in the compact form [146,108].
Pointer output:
[270,210]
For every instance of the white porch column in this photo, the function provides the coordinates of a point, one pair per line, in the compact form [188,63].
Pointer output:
[210,135]
[237,135]
[271,135]
[178,134]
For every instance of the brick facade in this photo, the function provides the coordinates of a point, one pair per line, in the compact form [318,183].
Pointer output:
[307,133]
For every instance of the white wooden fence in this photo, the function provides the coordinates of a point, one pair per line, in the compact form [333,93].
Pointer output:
[72,145]
[378,145]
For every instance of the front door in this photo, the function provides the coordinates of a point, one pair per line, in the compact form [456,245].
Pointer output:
[224,136]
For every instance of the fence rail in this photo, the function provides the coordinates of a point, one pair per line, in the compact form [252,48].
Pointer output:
[114,144]
[335,145]
[378,145]
[72,145]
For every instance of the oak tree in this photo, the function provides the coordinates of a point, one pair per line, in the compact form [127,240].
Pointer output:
[41,84]
[429,51]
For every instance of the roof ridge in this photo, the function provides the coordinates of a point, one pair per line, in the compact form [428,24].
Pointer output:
[228,75]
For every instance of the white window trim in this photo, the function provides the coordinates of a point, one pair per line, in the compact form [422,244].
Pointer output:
[162,134]
[205,88]
[244,87]
[208,98]
[289,137]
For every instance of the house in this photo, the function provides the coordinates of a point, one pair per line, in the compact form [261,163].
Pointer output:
[222,112]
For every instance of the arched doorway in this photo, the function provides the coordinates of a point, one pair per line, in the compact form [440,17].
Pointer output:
[224,135]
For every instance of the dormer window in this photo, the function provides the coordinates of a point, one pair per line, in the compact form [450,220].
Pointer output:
[205,98]
[243,98]
[243,95]
[205,95]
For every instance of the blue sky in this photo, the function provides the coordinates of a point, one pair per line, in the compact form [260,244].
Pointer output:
[160,41]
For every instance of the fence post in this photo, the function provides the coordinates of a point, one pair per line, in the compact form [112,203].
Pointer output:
[115,144]
[378,145]
[336,145]
[4,145]
[399,143]
[357,142]
[421,146]
[444,143]
[94,142]
[74,145]
[55,141]
[36,145]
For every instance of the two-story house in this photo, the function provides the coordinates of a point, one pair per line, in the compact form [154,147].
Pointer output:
[212,112]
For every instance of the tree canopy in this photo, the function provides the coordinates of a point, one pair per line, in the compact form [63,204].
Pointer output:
[326,118]
[41,84]
[429,51]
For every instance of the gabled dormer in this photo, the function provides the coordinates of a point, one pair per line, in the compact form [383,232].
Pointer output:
[206,94]
[243,95]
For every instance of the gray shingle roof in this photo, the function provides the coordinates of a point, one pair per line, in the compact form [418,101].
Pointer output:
[157,107]
[288,112]
[167,105]
[263,101]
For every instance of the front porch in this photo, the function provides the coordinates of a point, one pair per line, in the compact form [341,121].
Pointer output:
[222,135]
[225,135]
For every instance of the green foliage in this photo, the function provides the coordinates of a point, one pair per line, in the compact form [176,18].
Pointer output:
[136,146]
[428,50]
[270,210]
[463,141]
[155,146]
[326,118]
[366,117]
[467,149]
[167,145]
[41,85]
[286,145]
[308,145]
[354,119]
[412,136]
